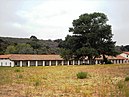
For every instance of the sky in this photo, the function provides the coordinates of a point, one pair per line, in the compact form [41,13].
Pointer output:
[51,19]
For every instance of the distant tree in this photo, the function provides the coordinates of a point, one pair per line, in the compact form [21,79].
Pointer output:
[10,50]
[3,46]
[53,50]
[66,53]
[126,48]
[118,49]
[34,38]
[49,40]
[91,38]
[39,46]
[24,49]
[123,48]
[34,44]
[58,40]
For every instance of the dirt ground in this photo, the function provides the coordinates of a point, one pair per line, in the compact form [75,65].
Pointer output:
[61,81]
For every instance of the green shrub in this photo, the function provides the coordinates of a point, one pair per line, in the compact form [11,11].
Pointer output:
[127,79]
[120,85]
[82,75]
[37,83]
[17,70]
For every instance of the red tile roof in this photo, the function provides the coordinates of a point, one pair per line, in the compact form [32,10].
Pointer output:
[126,53]
[31,57]
[4,56]
[117,57]
[45,57]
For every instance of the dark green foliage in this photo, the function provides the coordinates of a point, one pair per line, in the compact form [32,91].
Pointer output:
[122,48]
[66,54]
[19,49]
[3,45]
[120,85]
[17,70]
[37,83]
[91,38]
[82,75]
[58,40]
[127,78]
[28,46]
[33,38]
[10,49]
[24,49]
[108,62]
[126,47]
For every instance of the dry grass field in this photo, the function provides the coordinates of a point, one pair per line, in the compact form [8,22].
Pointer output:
[61,81]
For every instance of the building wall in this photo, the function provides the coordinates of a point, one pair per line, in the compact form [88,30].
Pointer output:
[6,62]
[125,55]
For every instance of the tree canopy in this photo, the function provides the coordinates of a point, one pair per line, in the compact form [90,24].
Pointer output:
[3,45]
[91,37]
[19,49]
[30,45]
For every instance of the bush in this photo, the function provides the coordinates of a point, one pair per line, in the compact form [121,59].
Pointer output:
[82,75]
[127,79]
[17,70]
[120,85]
[37,83]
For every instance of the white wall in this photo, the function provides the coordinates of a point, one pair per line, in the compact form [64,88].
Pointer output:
[6,62]
[125,55]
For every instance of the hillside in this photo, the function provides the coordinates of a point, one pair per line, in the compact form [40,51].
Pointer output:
[48,44]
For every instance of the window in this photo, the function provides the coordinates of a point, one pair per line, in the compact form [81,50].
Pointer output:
[127,55]
[1,63]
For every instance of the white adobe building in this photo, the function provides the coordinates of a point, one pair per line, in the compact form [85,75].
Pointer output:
[125,55]
[49,60]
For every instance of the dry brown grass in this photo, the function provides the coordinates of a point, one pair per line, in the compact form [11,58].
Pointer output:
[61,81]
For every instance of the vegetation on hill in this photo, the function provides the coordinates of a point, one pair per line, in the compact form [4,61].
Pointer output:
[30,45]
[123,48]
[9,45]
[91,38]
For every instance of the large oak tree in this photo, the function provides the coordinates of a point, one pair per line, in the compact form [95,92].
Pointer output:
[91,37]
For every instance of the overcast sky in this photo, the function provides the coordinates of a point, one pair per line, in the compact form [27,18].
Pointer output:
[51,19]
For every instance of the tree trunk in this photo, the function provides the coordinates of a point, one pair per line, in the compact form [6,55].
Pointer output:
[91,60]
[104,59]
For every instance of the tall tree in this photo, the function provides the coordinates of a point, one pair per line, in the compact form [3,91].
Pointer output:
[91,38]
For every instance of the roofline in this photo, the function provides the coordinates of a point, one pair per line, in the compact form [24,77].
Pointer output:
[10,56]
